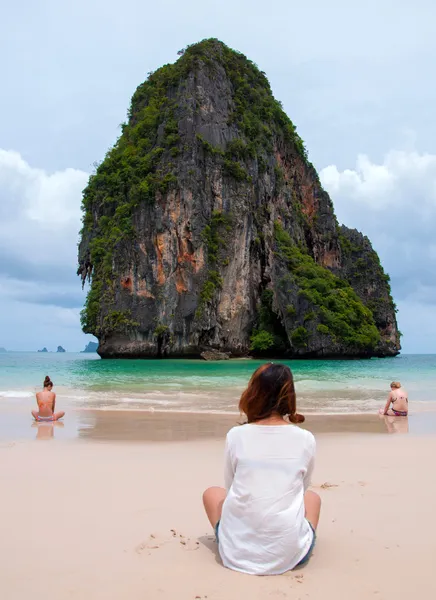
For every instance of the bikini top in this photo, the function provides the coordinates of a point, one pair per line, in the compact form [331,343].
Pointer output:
[401,398]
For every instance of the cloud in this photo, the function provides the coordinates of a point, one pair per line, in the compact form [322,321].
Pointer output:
[54,293]
[40,219]
[39,211]
[394,204]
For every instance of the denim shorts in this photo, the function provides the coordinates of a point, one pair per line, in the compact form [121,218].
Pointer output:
[305,558]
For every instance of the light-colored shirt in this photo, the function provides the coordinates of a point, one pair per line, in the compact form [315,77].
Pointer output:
[263,530]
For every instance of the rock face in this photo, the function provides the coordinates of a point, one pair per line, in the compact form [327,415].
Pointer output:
[43,350]
[206,227]
[91,347]
[60,349]
[2,350]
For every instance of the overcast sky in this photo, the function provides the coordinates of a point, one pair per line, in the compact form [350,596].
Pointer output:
[356,78]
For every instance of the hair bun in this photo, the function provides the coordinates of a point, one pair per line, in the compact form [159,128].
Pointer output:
[47,381]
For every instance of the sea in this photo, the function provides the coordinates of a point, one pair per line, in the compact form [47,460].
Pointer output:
[84,381]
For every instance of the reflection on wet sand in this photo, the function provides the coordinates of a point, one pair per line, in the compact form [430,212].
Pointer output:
[45,431]
[141,426]
[396,424]
[136,426]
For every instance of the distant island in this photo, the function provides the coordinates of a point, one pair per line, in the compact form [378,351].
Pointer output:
[2,350]
[43,350]
[60,349]
[91,347]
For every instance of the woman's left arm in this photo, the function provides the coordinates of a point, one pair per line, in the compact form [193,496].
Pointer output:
[229,465]
[308,475]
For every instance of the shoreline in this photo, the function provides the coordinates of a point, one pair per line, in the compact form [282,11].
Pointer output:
[234,413]
[129,427]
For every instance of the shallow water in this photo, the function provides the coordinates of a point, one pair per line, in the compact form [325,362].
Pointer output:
[86,381]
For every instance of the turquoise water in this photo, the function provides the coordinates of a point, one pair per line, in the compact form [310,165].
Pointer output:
[85,381]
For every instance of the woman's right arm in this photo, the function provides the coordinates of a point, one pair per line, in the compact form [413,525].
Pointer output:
[388,403]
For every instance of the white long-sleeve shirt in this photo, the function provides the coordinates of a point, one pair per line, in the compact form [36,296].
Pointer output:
[263,530]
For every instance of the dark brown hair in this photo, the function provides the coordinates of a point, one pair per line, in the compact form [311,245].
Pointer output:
[270,391]
[48,382]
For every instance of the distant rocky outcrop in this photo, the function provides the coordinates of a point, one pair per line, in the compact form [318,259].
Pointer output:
[214,355]
[91,347]
[2,350]
[60,349]
[43,350]
[206,226]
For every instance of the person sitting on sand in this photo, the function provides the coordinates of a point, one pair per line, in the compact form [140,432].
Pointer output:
[46,401]
[265,519]
[398,398]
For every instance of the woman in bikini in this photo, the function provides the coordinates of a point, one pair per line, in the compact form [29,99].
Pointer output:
[46,401]
[265,518]
[398,399]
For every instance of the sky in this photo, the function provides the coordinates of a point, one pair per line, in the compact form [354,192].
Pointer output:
[356,79]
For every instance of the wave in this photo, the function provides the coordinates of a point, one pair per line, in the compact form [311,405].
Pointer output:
[16,394]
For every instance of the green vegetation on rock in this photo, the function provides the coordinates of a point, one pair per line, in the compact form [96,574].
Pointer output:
[214,238]
[299,337]
[363,265]
[269,334]
[261,341]
[333,301]
[236,170]
[118,320]
[161,330]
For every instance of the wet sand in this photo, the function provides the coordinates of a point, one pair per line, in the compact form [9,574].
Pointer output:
[130,425]
[145,426]
[106,521]
[142,426]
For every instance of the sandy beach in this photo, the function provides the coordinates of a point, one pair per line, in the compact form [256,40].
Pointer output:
[110,520]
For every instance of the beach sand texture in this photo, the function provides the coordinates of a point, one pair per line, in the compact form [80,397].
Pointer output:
[113,521]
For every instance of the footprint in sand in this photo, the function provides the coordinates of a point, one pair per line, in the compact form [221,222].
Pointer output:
[189,545]
[186,543]
[153,543]
[327,485]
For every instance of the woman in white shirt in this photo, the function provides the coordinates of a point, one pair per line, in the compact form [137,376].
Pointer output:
[265,519]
